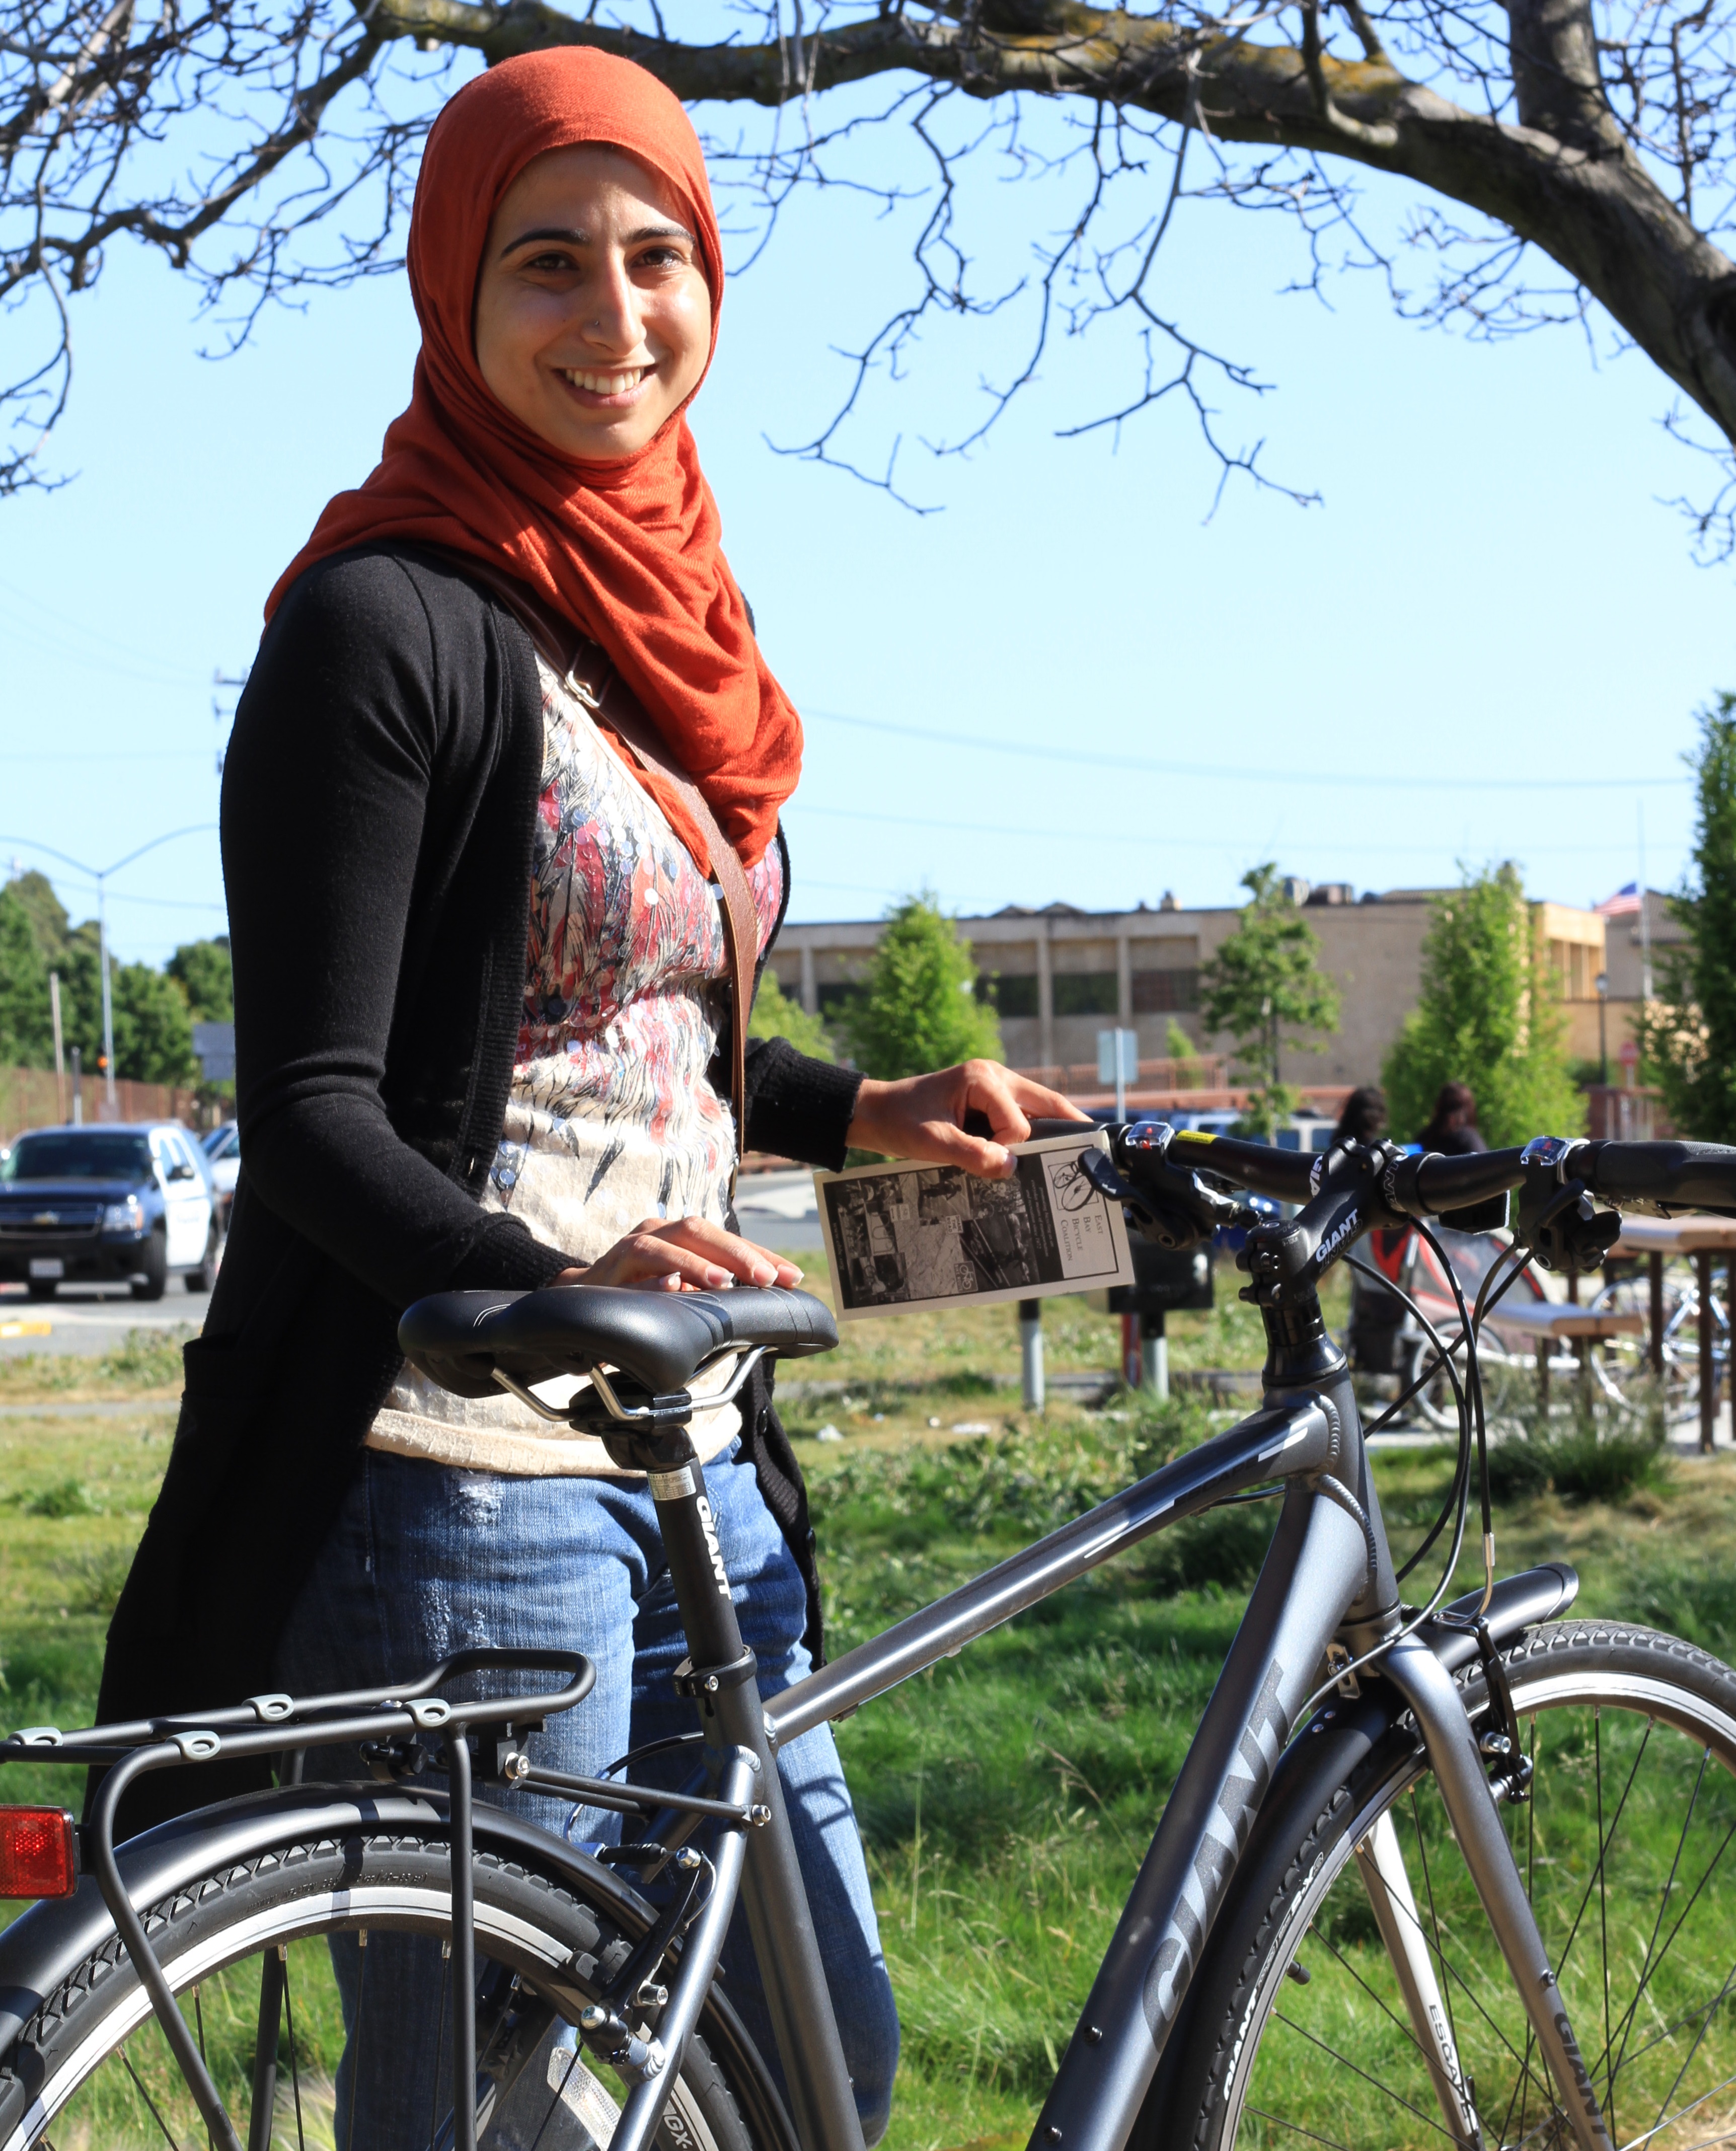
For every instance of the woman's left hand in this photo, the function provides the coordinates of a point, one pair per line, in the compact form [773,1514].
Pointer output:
[922,1117]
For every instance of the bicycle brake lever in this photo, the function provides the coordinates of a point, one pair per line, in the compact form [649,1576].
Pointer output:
[1564,1231]
[1171,1206]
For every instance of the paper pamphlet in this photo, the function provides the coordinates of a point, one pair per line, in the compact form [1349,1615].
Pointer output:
[903,1237]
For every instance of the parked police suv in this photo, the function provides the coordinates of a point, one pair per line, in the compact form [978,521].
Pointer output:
[127,1203]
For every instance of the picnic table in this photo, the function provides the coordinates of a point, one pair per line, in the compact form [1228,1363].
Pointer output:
[1702,1238]
[1543,1323]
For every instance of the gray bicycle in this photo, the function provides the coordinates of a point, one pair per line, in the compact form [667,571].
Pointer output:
[1431,1872]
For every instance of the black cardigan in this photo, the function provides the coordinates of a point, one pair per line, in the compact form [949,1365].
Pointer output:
[378,809]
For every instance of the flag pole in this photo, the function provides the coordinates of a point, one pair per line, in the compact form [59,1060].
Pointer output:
[1645,916]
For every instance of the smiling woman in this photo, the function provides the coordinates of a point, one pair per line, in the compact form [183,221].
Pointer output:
[487,997]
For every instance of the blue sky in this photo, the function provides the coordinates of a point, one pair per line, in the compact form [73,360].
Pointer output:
[1489,641]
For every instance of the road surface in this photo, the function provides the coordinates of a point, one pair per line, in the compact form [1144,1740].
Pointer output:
[90,1318]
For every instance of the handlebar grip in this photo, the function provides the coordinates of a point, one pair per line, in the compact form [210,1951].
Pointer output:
[1701,1176]
[1455,1183]
[1285,1174]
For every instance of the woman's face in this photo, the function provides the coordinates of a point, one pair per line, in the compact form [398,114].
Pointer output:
[593,315]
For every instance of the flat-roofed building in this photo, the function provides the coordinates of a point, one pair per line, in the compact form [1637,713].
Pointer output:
[1059,975]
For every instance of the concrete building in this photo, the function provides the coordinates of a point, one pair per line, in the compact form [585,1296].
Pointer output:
[1627,940]
[1060,974]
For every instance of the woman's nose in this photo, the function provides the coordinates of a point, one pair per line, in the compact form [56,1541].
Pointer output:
[612,320]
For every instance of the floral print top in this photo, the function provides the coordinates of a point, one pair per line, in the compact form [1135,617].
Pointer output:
[610,1119]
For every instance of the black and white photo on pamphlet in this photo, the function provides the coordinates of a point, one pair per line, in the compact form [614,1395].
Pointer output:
[900,1237]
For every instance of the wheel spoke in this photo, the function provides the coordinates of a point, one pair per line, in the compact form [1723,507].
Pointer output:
[559,2093]
[1652,1965]
[1664,1905]
[439,2040]
[198,2023]
[355,2057]
[289,2019]
[1344,2062]
[1277,2121]
[1687,2059]
[1596,1881]
[1391,2014]
[138,2084]
[1422,1851]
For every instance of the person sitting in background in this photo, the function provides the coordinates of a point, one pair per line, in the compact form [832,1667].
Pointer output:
[1453,1131]
[1364,1119]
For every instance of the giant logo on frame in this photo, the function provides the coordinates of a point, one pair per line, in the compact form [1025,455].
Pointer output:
[1226,1832]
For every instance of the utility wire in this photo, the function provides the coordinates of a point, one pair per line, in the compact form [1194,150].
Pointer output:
[1240,773]
[1156,839]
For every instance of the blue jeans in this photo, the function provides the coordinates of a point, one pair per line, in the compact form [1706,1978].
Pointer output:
[425,1561]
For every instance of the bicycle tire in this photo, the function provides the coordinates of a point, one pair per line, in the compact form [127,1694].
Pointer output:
[536,1923]
[1259,2060]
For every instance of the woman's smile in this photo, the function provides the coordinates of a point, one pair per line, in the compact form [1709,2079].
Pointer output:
[615,388]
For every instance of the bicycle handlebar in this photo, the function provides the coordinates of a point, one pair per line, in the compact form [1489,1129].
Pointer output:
[1687,1175]
[1682,1175]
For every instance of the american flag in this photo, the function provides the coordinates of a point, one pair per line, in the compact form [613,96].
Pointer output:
[1625,900]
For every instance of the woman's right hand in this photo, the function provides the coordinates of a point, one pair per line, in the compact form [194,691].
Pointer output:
[684,1254]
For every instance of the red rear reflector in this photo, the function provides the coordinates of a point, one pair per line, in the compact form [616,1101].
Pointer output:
[38,1853]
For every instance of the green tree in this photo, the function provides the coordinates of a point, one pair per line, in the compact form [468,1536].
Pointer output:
[26,1035]
[47,913]
[206,976]
[776,1015]
[1265,987]
[1687,1036]
[152,1024]
[918,1010]
[1490,1015]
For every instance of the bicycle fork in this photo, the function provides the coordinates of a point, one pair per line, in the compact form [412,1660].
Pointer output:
[1471,1807]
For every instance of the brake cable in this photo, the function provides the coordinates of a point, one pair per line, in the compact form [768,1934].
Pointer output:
[1488,1299]
[1458,1498]
[1474,1386]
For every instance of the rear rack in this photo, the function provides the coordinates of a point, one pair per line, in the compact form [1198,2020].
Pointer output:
[390,1724]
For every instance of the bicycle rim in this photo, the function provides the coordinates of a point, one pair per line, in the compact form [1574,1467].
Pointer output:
[109,2082]
[1628,1848]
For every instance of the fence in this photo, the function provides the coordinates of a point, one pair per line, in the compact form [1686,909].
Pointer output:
[36,1098]
[1625,1113]
[1170,1078]
[1198,1086]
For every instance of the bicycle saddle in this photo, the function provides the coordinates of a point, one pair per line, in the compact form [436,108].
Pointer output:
[659,1340]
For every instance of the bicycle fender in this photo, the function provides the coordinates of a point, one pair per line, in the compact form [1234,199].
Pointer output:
[46,1945]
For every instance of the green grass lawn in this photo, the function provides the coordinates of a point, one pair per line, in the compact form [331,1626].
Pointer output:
[1007,1797]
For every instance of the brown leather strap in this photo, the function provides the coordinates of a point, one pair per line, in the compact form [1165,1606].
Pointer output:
[585,667]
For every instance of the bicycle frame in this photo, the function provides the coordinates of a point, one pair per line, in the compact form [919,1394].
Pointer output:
[1327,1577]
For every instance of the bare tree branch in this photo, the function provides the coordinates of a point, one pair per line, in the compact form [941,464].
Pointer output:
[1596,135]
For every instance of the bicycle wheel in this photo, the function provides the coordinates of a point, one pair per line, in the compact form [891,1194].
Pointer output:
[91,2068]
[1627,1359]
[1299,2030]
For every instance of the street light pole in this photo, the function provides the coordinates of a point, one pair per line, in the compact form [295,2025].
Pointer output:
[101,876]
[108,1000]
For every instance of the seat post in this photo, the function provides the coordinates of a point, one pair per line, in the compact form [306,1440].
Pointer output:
[721,1675]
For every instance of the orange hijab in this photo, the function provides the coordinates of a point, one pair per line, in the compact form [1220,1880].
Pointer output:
[628,551]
